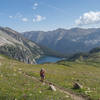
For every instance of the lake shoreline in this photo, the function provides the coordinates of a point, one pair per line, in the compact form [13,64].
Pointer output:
[48,59]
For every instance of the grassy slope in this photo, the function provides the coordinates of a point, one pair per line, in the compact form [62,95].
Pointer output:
[13,84]
[16,86]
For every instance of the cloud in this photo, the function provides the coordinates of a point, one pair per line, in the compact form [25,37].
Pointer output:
[38,18]
[17,15]
[25,19]
[35,6]
[10,16]
[88,18]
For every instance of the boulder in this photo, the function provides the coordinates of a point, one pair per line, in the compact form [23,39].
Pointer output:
[77,86]
[52,87]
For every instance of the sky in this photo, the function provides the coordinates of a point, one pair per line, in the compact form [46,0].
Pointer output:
[45,15]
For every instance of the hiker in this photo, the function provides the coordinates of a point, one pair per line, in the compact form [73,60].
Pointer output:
[42,74]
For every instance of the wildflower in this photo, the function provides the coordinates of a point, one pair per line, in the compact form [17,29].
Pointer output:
[67,96]
[30,94]
[86,92]
[14,74]
[15,70]
[88,89]
[20,72]
[40,91]
[1,75]
[19,69]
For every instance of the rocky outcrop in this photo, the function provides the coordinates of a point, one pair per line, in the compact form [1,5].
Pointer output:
[15,46]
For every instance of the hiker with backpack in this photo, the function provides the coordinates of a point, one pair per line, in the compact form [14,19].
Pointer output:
[42,74]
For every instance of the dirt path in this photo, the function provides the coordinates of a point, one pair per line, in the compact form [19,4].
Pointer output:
[73,96]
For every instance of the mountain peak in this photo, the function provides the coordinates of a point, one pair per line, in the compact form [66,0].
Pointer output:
[10,30]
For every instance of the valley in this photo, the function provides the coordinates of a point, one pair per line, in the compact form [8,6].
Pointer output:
[49,49]
[14,45]
[20,76]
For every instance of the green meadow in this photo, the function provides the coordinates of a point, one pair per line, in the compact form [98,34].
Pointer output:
[15,85]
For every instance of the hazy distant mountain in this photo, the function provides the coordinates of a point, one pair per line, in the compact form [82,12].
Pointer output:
[16,46]
[67,41]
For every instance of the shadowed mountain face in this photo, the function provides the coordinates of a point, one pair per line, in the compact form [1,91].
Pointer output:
[92,56]
[67,41]
[16,46]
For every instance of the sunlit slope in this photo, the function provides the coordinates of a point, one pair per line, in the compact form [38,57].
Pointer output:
[14,84]
[14,45]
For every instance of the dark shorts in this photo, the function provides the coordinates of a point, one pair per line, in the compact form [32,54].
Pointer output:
[42,76]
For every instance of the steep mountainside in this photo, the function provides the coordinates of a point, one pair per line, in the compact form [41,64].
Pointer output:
[67,41]
[16,46]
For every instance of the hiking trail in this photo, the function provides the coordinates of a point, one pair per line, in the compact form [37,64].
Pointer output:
[72,95]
